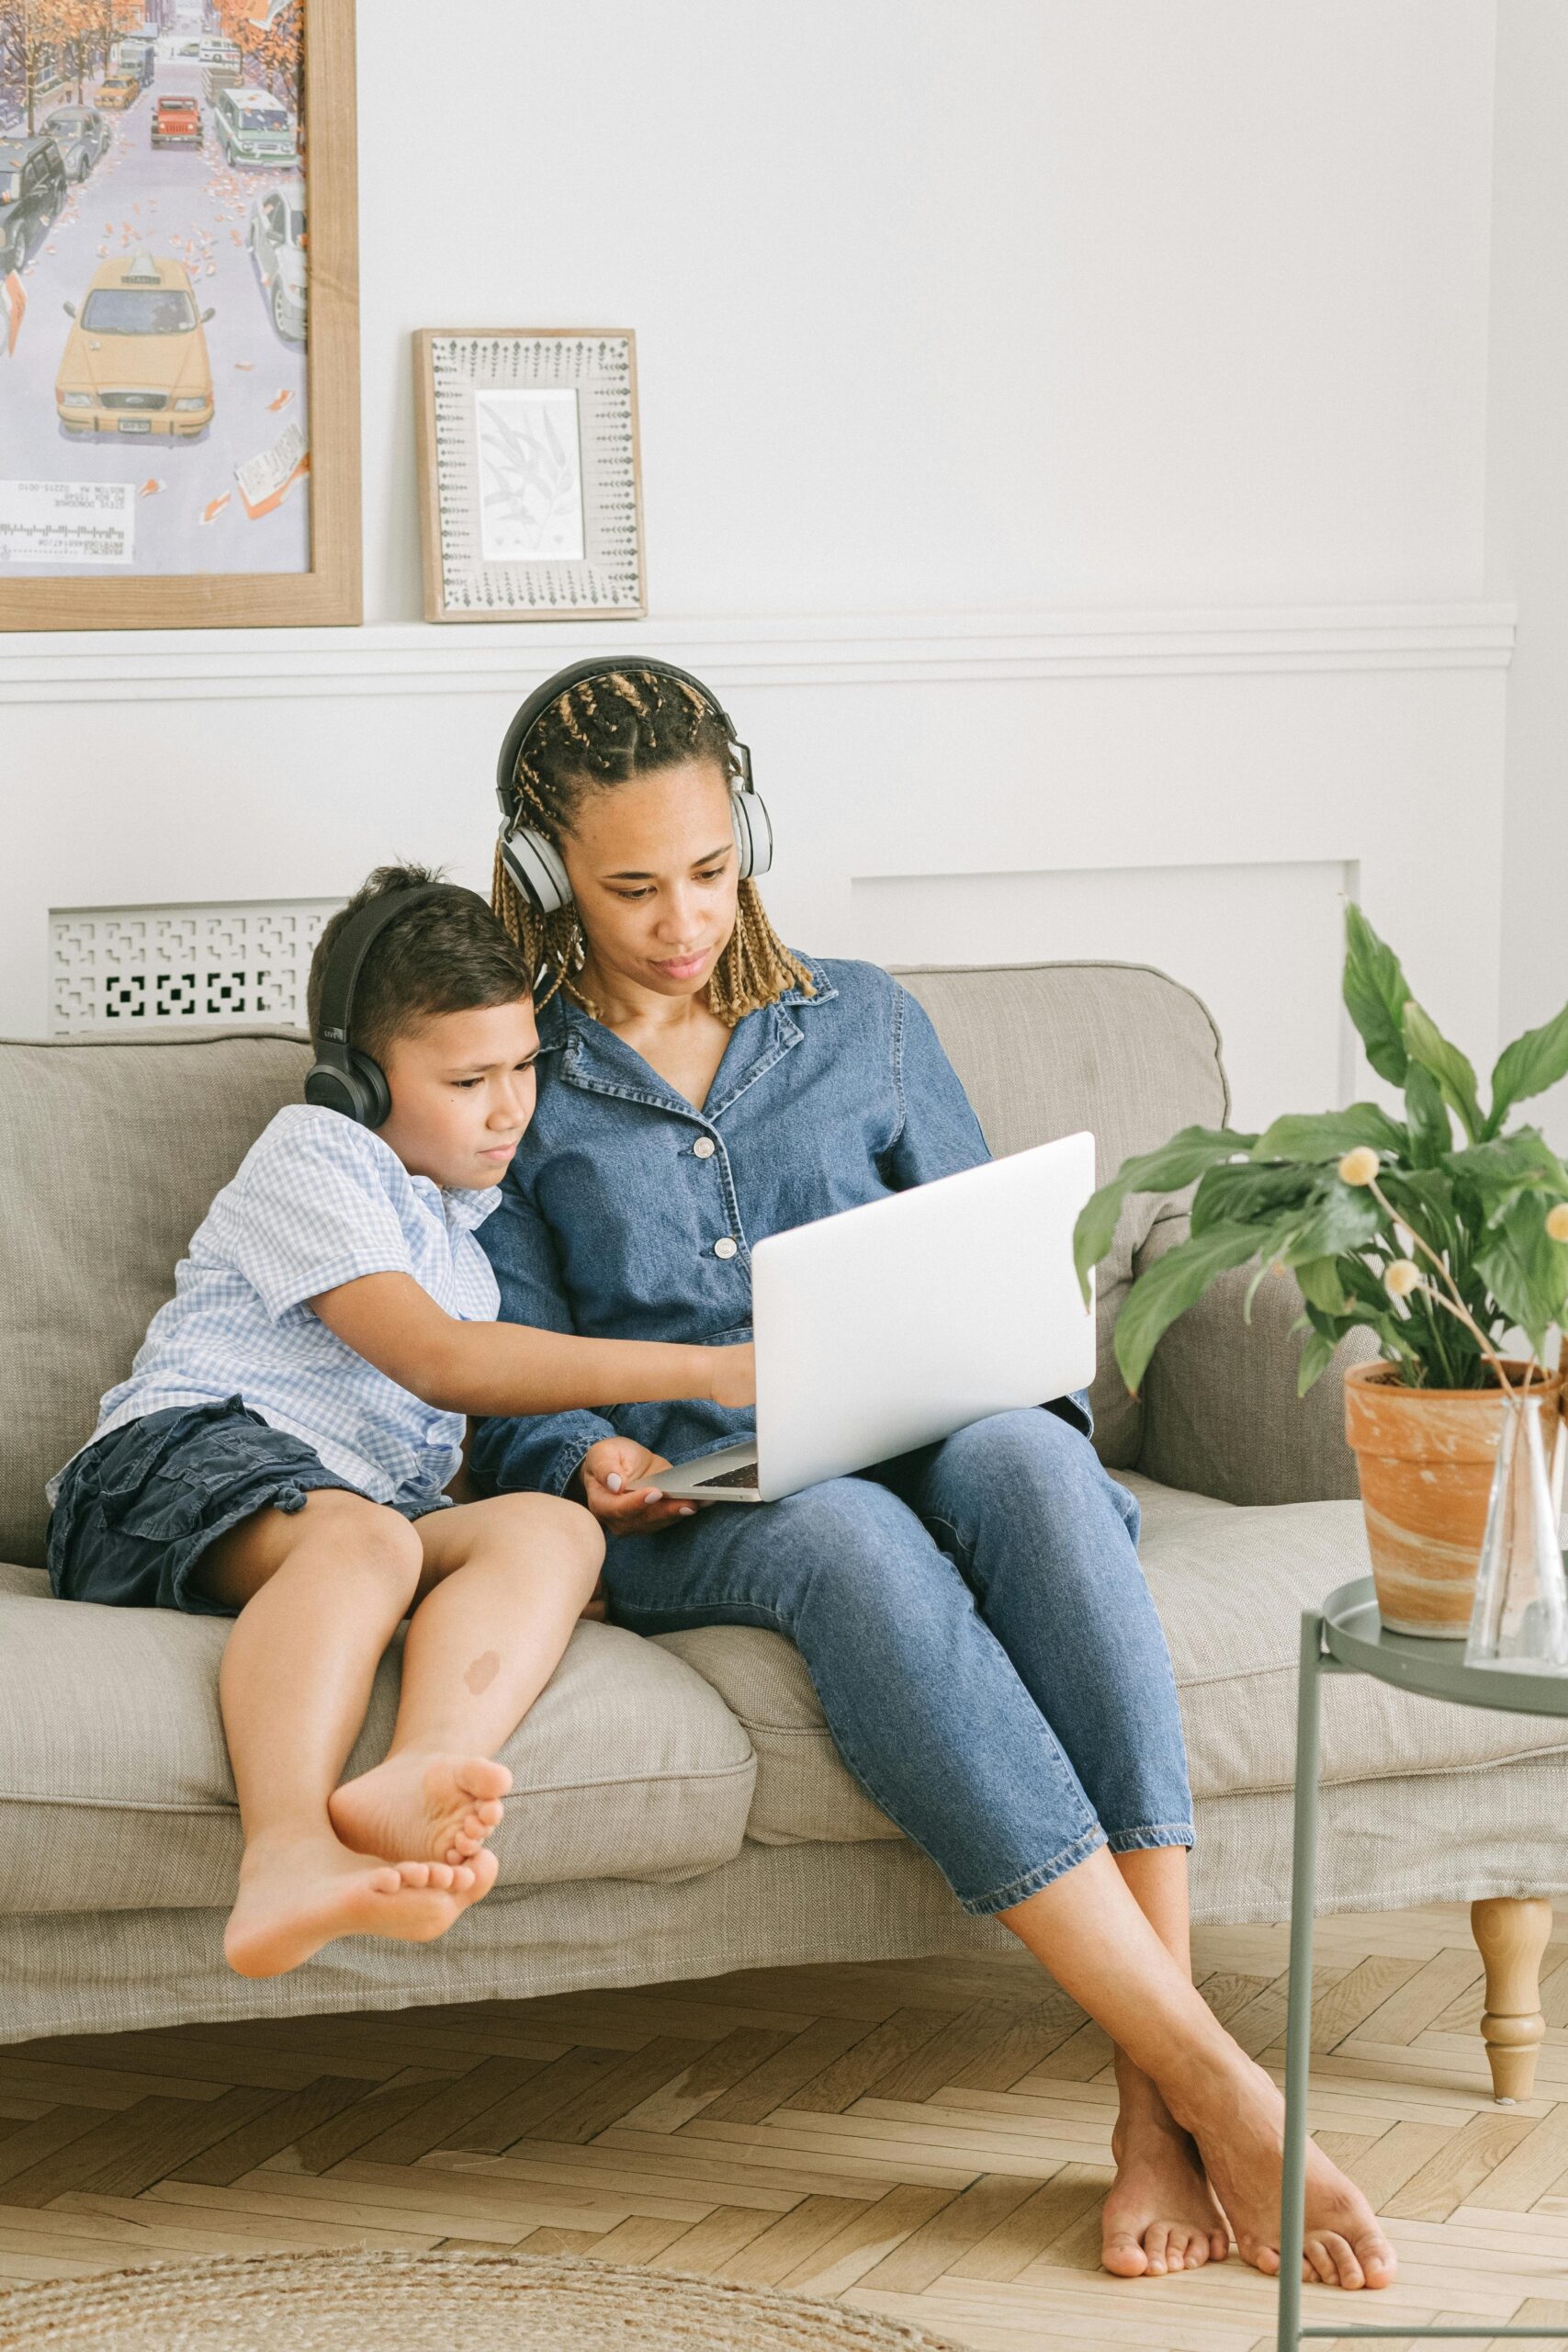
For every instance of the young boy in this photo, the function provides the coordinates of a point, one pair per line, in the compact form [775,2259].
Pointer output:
[281,1451]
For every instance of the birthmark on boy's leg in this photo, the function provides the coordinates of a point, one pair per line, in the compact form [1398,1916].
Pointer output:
[483,1671]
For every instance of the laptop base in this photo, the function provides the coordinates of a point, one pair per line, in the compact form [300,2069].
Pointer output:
[729,1476]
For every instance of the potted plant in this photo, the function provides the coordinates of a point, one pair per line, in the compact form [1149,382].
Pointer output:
[1441,1245]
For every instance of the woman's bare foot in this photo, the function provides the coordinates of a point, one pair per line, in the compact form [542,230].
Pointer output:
[1238,2119]
[294,1898]
[1160,2215]
[441,1808]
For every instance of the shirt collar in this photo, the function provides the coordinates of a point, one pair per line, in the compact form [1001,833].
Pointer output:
[469,1209]
[594,1056]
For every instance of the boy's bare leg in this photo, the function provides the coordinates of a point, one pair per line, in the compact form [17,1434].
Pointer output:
[1089,1930]
[1160,2215]
[319,1592]
[502,1584]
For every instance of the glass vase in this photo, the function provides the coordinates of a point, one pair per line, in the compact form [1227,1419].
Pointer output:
[1520,1617]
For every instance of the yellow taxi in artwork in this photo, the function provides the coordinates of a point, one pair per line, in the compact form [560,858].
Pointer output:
[136,358]
[119,91]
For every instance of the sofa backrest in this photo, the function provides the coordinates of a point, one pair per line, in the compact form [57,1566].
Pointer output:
[111,1151]
[1045,1049]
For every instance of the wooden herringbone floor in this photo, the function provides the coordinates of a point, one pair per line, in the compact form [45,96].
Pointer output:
[927,2139]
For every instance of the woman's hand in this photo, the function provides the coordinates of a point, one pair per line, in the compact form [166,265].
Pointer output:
[734,1382]
[616,1481]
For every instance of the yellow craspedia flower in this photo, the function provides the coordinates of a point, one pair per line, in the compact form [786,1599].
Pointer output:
[1402,1278]
[1557,1221]
[1360,1166]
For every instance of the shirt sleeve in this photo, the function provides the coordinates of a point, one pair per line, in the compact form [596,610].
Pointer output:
[940,1136]
[938,1133]
[537,1453]
[311,1211]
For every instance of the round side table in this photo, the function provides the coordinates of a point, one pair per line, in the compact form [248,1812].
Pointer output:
[1347,1636]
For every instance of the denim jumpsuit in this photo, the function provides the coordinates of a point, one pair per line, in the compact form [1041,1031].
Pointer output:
[973,1615]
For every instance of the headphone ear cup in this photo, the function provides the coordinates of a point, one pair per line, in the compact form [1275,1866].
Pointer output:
[753,834]
[534,866]
[354,1086]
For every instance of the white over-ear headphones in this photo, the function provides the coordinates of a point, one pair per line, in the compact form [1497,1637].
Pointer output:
[535,863]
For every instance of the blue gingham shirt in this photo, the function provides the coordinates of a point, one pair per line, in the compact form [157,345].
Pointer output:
[317,1201]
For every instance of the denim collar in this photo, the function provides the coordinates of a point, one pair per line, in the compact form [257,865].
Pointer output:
[594,1059]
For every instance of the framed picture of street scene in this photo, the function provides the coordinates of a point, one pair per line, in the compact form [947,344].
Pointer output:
[179,353]
[530,489]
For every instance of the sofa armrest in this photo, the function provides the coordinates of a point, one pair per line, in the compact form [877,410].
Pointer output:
[1221,1413]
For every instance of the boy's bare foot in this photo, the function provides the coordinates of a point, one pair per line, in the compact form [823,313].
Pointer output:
[1238,2119]
[440,1807]
[295,1898]
[1160,2215]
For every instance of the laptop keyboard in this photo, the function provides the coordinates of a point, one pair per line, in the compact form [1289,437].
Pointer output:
[745,1477]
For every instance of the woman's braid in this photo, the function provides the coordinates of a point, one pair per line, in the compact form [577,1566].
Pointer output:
[597,734]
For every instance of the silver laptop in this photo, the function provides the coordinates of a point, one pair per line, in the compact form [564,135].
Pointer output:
[891,1325]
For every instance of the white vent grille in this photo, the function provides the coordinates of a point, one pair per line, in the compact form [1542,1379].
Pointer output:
[183,967]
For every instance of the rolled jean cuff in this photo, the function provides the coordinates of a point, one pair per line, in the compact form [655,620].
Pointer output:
[981,1906]
[1162,1833]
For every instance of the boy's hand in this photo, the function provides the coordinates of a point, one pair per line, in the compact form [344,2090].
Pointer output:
[734,1382]
[616,1481]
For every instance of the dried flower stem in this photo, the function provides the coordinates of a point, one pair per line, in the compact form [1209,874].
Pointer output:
[1456,1306]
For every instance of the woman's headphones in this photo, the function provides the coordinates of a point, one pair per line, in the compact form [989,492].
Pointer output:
[343,1078]
[535,863]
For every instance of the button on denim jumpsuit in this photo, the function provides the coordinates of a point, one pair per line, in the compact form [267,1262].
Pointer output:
[973,1615]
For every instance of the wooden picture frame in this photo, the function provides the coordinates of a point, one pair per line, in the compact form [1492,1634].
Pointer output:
[329,592]
[530,474]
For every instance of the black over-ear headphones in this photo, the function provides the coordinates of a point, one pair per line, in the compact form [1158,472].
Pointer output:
[343,1078]
[535,863]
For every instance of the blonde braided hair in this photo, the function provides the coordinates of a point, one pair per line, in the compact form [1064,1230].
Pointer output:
[600,732]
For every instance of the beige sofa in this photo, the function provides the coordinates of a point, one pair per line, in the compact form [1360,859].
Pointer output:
[680,1808]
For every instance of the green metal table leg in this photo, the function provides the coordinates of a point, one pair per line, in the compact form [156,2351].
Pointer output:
[1298,2029]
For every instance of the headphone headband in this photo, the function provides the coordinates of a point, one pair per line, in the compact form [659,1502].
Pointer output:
[351,945]
[541,698]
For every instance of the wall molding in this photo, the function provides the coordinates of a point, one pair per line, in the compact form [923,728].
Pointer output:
[853,649]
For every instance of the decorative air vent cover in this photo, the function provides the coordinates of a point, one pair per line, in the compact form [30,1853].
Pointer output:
[174,968]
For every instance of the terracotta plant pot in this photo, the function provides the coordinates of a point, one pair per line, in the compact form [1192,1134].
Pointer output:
[1426,1457]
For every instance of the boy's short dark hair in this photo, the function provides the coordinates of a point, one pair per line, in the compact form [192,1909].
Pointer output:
[444,955]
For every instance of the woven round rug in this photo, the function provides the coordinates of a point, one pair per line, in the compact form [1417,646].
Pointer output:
[430,2303]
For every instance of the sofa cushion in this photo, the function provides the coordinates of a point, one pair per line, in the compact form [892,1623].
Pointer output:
[109,1156]
[116,1792]
[1230,1583]
[1045,1049]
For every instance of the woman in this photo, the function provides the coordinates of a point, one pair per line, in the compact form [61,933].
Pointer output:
[973,1615]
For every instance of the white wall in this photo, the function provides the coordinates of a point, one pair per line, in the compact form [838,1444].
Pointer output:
[1064,441]
[1528,538]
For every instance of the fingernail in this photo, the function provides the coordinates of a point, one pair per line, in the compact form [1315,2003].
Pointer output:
[613,1482]
[688,1511]
[652,1495]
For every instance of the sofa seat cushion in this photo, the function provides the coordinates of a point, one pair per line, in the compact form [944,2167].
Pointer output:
[116,1792]
[1230,1582]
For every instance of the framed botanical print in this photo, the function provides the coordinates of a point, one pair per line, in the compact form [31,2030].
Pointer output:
[180,365]
[530,491]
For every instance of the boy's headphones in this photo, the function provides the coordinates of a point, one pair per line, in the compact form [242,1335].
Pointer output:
[343,1078]
[535,863]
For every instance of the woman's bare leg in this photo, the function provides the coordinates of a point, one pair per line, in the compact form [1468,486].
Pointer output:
[1089,1930]
[1160,2215]
[503,1583]
[318,1591]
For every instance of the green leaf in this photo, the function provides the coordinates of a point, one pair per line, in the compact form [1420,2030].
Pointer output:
[1528,1065]
[1322,1284]
[1345,1218]
[1427,1114]
[1169,1287]
[1176,1163]
[1526,1271]
[1239,1192]
[1329,1135]
[1425,1043]
[1314,1362]
[1376,993]
[1502,1170]
[1424,1200]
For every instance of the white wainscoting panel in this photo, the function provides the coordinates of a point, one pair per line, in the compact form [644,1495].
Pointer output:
[1260,944]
